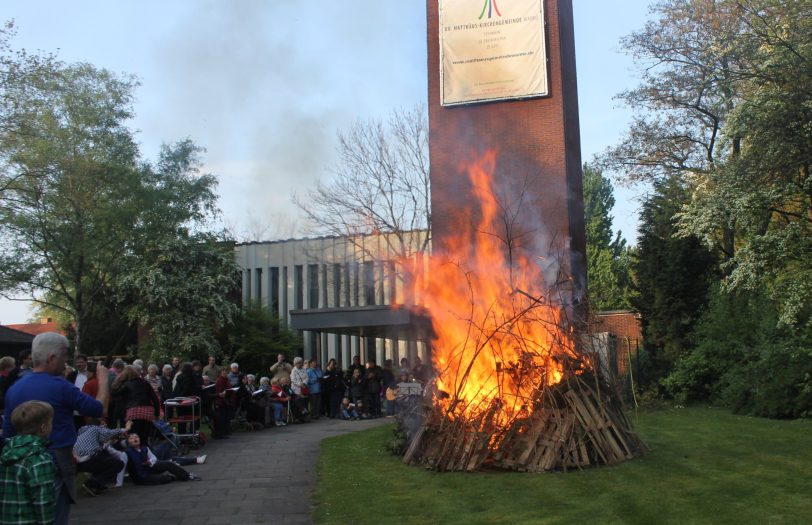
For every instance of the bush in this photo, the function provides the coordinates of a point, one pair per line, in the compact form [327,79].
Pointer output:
[776,384]
[256,337]
[745,361]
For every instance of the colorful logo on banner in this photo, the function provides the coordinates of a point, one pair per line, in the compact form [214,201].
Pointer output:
[490,6]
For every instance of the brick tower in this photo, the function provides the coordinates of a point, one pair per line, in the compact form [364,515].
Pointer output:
[536,139]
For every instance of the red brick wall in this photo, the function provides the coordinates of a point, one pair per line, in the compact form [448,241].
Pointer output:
[538,152]
[621,324]
[39,328]
[627,329]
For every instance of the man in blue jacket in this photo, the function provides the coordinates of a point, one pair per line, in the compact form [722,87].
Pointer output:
[49,352]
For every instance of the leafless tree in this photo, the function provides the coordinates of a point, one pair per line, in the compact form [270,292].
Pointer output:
[379,187]
[258,229]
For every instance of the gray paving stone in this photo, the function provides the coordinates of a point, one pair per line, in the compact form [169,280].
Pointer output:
[253,477]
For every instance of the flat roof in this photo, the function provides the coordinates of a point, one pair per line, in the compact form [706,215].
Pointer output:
[390,321]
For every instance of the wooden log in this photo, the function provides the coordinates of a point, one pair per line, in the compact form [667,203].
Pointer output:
[607,428]
[585,419]
[448,445]
[465,448]
[539,425]
[575,424]
[409,456]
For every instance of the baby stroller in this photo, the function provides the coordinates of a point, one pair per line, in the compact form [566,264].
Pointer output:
[167,443]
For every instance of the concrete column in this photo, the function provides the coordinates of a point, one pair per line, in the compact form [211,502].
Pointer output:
[246,286]
[284,290]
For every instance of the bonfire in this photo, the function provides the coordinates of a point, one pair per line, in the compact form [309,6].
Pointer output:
[516,385]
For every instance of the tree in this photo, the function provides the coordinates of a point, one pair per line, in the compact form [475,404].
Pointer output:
[19,70]
[185,290]
[69,200]
[745,360]
[607,257]
[80,208]
[380,187]
[257,337]
[724,106]
[672,277]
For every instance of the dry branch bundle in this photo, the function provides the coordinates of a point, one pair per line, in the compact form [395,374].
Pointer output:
[576,423]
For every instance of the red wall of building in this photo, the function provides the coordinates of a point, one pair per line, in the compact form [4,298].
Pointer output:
[628,331]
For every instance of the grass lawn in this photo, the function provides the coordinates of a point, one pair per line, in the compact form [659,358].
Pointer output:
[705,466]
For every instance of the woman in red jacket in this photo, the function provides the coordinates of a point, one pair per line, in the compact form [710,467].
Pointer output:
[282,392]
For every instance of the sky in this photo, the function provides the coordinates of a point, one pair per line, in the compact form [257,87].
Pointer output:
[265,85]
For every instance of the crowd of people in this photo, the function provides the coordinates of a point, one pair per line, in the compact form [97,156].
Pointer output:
[111,423]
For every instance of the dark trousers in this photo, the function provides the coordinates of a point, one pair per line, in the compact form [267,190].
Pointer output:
[221,421]
[335,402]
[299,405]
[315,405]
[159,473]
[325,402]
[102,467]
[64,484]
[374,404]
[183,461]
[117,414]
[257,412]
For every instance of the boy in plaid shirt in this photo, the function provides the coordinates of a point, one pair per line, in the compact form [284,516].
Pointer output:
[27,472]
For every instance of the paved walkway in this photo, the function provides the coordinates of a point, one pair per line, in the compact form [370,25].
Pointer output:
[254,477]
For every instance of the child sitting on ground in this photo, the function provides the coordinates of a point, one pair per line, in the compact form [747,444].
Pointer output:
[146,469]
[94,455]
[348,409]
[26,469]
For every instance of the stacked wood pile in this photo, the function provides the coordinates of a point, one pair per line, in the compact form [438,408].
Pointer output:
[576,423]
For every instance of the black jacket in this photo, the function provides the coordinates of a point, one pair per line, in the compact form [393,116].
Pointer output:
[137,393]
[357,387]
[388,378]
[185,385]
[166,388]
[334,380]
[373,379]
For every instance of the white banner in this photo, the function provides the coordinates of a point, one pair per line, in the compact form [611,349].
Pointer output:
[491,50]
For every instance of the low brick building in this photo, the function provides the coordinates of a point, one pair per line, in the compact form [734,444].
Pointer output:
[45,324]
[626,329]
[12,341]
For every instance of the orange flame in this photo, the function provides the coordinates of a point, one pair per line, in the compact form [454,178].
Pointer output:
[498,340]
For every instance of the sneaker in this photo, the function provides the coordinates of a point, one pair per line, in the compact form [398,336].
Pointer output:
[281,423]
[194,477]
[201,459]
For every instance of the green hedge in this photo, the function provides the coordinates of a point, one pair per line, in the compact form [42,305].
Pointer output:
[746,361]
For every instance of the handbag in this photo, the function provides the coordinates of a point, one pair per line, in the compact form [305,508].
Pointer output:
[304,390]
